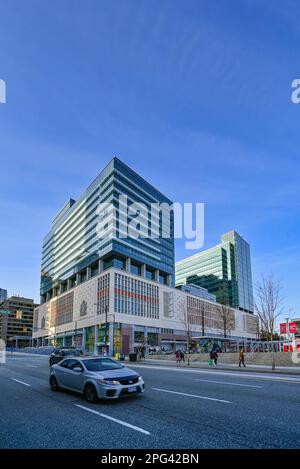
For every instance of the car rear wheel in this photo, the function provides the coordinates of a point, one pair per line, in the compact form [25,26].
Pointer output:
[53,384]
[90,393]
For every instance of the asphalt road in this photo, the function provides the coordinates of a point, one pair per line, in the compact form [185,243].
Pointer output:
[180,409]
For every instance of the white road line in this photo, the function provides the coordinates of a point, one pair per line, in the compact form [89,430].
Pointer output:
[21,382]
[108,417]
[192,395]
[241,374]
[225,382]
[32,366]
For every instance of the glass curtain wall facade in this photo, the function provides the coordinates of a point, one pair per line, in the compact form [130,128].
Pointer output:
[224,270]
[207,269]
[3,294]
[72,249]
[239,272]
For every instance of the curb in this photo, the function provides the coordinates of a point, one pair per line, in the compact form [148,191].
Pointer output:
[224,368]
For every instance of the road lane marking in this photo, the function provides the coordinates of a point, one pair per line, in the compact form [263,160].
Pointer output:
[108,417]
[241,374]
[291,382]
[32,366]
[21,382]
[226,382]
[192,395]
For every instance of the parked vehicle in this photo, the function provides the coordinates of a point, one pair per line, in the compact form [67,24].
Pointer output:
[95,378]
[60,353]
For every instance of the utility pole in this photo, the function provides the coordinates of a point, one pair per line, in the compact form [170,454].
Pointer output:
[106,313]
[287,320]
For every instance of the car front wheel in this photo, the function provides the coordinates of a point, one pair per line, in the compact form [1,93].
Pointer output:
[53,384]
[90,393]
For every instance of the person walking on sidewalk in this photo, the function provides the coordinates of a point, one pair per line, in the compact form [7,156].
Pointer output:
[211,358]
[242,358]
[215,357]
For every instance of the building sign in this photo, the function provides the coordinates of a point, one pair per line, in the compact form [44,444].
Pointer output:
[89,338]
[283,328]
[293,327]
[83,308]
[18,314]
[117,338]
[101,334]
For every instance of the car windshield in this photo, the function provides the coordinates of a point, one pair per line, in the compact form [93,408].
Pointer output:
[101,364]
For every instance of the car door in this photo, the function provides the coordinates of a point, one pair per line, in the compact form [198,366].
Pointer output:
[61,370]
[74,379]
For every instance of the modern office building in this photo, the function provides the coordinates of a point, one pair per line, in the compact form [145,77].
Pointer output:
[224,270]
[73,250]
[16,320]
[117,292]
[3,294]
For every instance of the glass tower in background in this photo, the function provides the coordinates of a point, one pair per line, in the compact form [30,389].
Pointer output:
[3,294]
[239,270]
[224,270]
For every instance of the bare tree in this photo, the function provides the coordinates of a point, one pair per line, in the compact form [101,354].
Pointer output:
[227,319]
[203,312]
[187,321]
[268,307]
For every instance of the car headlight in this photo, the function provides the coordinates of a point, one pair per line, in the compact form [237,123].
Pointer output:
[107,381]
[140,378]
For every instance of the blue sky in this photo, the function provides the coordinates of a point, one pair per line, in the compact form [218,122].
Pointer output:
[194,95]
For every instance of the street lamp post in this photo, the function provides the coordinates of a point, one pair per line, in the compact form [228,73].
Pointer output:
[106,313]
[288,331]
[106,323]
[44,329]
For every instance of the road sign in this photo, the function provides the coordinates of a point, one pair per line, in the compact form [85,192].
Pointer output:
[293,327]
[283,328]
[19,314]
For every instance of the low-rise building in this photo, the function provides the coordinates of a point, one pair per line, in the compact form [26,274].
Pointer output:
[16,319]
[117,311]
[196,290]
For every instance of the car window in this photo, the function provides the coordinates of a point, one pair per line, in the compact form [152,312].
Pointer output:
[64,364]
[71,363]
[101,364]
[74,363]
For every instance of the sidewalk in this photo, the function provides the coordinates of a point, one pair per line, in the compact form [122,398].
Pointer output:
[291,370]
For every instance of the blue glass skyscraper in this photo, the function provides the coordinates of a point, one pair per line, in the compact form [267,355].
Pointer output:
[73,250]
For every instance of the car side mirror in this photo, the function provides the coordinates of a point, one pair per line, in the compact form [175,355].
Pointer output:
[77,369]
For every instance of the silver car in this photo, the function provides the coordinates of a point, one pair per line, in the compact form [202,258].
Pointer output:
[95,377]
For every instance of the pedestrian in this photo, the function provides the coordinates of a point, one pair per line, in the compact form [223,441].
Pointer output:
[211,359]
[242,358]
[215,357]
[182,357]
[177,354]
